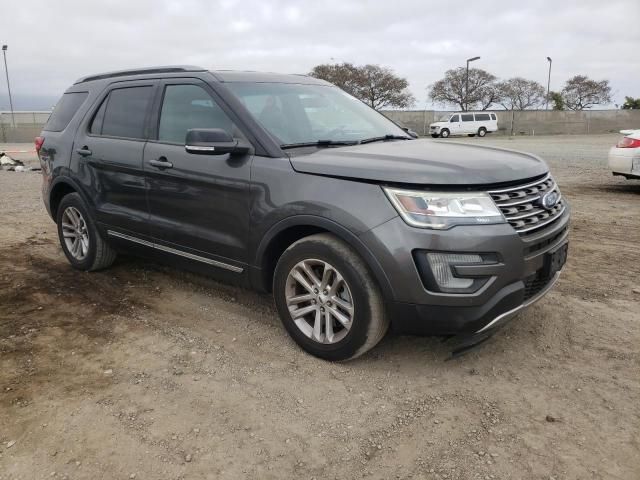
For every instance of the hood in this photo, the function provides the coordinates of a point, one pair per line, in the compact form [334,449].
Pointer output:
[422,162]
[438,124]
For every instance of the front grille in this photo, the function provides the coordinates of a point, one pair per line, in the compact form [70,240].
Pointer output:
[522,205]
[534,284]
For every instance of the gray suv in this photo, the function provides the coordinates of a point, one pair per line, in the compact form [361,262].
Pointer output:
[285,183]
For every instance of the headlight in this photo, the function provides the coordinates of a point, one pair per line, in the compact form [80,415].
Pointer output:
[442,210]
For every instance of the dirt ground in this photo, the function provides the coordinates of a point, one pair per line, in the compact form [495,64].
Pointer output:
[145,372]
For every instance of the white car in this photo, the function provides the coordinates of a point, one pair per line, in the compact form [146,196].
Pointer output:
[624,158]
[465,123]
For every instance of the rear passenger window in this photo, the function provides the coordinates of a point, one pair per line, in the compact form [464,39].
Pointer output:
[467,117]
[65,109]
[493,116]
[481,117]
[124,113]
[189,106]
[96,123]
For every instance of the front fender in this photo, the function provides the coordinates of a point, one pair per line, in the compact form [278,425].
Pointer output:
[325,224]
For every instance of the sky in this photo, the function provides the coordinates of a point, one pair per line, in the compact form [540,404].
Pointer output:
[53,43]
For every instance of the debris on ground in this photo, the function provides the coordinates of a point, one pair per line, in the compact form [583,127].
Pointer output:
[11,164]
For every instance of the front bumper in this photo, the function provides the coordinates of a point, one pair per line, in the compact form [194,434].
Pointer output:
[514,284]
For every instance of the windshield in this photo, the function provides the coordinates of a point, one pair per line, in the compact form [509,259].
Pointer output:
[302,114]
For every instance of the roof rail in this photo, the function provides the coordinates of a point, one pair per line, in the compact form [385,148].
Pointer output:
[141,71]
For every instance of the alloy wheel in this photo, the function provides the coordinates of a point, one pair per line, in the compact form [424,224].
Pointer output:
[75,233]
[319,301]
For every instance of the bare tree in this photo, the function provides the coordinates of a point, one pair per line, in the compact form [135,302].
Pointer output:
[580,92]
[377,86]
[519,94]
[451,89]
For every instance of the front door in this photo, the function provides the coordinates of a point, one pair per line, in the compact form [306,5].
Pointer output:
[198,204]
[454,124]
[107,154]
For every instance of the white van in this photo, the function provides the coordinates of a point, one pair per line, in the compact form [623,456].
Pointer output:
[465,123]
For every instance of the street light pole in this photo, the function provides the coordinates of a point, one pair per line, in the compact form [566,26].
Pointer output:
[466,88]
[6,71]
[546,107]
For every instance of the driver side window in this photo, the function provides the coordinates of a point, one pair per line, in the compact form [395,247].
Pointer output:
[189,106]
[455,118]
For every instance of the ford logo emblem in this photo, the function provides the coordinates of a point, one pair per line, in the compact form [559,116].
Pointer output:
[550,199]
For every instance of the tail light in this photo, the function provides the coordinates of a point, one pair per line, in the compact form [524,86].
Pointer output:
[38,142]
[628,142]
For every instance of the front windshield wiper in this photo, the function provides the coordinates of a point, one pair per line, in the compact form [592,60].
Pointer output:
[384,138]
[319,143]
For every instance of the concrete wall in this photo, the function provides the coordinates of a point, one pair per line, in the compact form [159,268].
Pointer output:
[28,125]
[534,122]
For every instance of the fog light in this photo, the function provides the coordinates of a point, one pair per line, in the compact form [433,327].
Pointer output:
[440,264]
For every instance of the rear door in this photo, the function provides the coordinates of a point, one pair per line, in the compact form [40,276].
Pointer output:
[483,120]
[199,206]
[107,155]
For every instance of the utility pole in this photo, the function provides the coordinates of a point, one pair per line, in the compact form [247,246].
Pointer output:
[466,88]
[6,71]
[546,107]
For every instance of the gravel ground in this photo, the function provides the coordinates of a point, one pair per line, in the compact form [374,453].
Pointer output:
[145,372]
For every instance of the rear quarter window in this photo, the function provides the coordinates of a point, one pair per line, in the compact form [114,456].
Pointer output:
[64,111]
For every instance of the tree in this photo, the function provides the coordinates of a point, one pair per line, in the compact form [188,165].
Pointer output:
[519,94]
[557,100]
[631,103]
[580,92]
[483,89]
[343,75]
[377,86]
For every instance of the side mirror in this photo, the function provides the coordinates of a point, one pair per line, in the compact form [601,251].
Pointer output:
[212,141]
[410,132]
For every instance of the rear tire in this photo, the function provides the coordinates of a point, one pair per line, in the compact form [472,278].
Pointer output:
[80,240]
[349,291]
[444,133]
[482,132]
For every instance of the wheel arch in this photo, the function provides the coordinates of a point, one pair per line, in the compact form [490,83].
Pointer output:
[61,187]
[280,236]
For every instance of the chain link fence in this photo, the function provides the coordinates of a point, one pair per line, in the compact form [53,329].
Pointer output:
[24,126]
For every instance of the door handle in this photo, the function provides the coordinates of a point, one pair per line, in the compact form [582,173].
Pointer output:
[161,163]
[84,151]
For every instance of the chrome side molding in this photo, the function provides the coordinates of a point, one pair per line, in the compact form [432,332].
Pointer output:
[174,251]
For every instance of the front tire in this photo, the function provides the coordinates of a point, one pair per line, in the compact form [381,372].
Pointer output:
[327,300]
[444,133]
[434,135]
[482,132]
[80,240]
